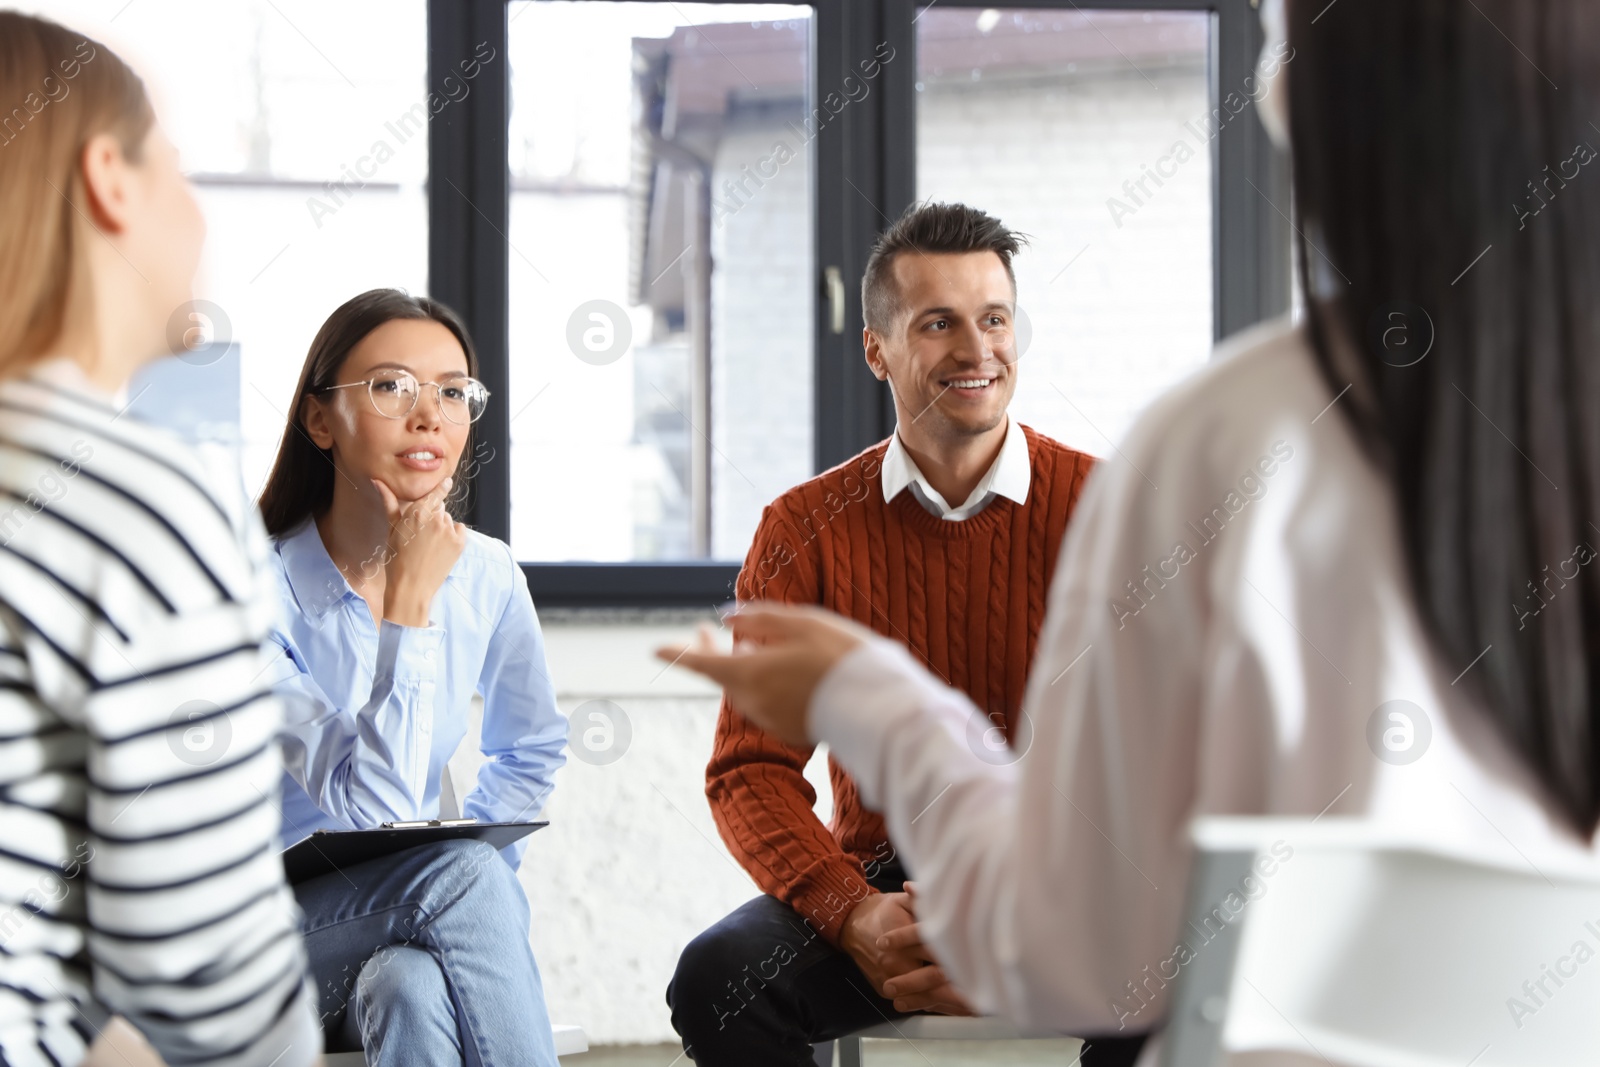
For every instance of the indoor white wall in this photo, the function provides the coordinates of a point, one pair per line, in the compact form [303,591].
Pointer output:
[631,866]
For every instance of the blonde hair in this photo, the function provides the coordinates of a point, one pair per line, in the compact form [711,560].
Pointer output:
[58,88]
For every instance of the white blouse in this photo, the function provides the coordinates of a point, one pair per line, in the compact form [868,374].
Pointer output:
[1229,616]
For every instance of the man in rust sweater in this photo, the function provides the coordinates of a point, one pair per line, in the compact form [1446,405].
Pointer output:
[944,537]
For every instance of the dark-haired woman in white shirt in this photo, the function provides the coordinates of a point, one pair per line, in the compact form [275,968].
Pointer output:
[1365,585]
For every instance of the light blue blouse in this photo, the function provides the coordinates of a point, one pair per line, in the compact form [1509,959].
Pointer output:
[375,712]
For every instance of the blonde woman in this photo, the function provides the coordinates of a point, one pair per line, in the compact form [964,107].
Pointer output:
[139,869]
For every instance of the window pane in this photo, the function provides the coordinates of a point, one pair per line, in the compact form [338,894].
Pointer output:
[661,275]
[303,125]
[1090,131]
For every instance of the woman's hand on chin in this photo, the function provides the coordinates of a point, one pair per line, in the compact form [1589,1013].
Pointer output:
[780,654]
[424,544]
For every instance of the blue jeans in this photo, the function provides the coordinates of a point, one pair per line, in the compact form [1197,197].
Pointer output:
[422,958]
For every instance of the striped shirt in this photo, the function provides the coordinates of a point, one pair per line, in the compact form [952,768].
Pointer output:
[139,867]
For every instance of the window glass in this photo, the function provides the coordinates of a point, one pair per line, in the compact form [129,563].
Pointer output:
[661,275]
[1091,132]
[303,126]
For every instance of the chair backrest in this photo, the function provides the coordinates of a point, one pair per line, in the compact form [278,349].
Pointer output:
[449,803]
[1338,942]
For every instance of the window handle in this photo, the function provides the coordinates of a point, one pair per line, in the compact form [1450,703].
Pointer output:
[835,282]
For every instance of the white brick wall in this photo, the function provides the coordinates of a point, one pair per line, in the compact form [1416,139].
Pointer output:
[631,867]
[761,329]
[1132,312]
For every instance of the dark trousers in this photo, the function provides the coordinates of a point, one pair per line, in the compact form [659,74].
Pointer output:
[761,986]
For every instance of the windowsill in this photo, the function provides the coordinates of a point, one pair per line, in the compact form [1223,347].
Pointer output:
[610,652]
[634,585]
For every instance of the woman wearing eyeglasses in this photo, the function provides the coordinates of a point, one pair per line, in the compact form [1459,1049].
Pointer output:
[396,615]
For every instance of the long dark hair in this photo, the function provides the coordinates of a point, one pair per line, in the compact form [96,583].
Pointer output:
[1450,196]
[300,486]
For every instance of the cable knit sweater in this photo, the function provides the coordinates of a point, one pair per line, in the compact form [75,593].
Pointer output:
[966,597]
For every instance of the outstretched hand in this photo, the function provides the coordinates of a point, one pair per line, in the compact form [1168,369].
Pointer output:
[780,653]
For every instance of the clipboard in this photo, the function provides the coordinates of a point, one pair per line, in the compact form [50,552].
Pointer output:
[326,851]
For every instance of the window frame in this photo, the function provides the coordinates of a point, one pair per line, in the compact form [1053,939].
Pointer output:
[863,176]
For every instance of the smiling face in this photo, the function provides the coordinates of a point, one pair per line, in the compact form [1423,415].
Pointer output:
[411,454]
[950,355]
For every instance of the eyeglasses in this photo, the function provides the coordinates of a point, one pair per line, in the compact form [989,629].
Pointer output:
[394,394]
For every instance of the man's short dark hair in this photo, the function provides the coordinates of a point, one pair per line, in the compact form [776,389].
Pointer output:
[930,228]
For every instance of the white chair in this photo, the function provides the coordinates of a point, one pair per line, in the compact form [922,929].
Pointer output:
[939,1028]
[449,803]
[570,1040]
[1363,949]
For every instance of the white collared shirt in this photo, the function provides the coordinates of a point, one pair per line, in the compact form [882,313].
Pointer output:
[1009,476]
